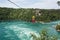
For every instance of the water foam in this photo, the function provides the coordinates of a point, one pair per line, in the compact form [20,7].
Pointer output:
[21,32]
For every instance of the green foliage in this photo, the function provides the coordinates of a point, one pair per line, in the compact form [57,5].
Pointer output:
[26,14]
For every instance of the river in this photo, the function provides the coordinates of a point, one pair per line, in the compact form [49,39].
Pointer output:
[20,30]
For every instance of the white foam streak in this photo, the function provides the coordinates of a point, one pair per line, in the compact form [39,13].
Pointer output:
[22,33]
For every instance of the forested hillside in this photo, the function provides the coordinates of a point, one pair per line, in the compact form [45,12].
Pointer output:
[45,15]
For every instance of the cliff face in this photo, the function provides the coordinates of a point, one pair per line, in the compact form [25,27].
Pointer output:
[26,14]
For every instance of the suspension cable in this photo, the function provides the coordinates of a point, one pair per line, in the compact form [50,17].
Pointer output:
[14,3]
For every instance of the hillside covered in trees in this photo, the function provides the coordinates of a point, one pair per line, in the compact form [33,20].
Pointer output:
[45,15]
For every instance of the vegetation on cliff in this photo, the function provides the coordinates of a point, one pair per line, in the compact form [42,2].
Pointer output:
[26,14]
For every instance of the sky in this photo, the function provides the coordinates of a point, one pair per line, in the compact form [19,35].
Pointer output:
[42,4]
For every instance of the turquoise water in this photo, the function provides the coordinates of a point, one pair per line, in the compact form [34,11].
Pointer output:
[20,30]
